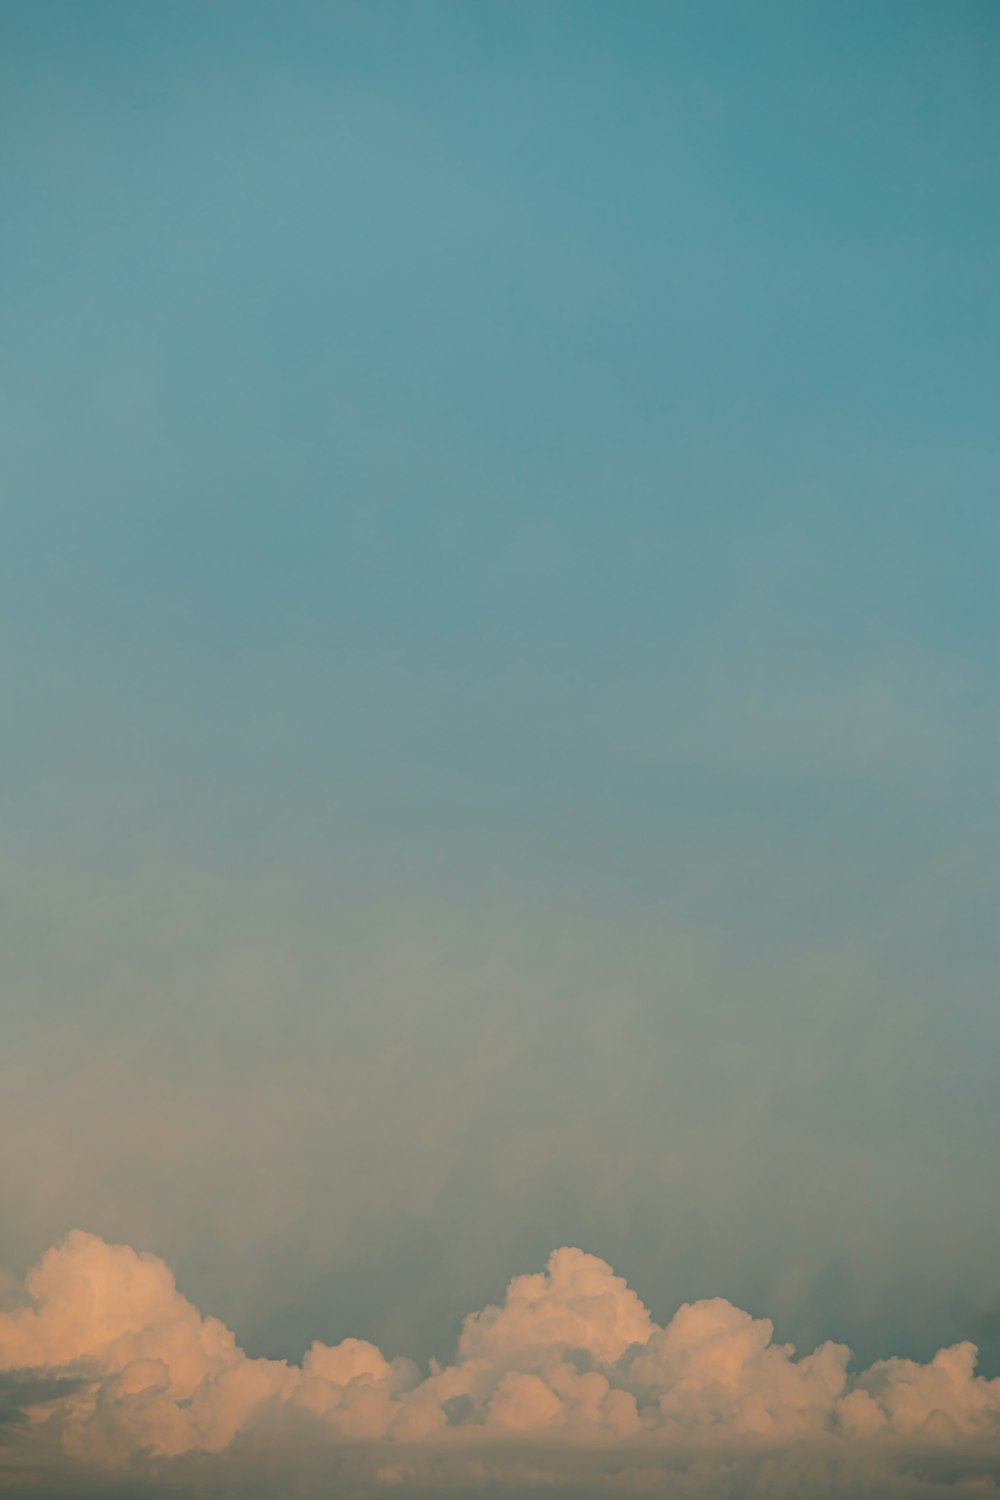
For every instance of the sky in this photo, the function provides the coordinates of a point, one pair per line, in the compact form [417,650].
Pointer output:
[498,655]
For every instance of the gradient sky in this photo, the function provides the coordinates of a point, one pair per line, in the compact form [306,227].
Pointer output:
[499,644]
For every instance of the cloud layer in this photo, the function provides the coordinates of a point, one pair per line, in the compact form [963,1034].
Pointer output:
[568,1379]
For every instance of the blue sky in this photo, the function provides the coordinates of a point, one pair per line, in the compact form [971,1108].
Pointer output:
[499,642]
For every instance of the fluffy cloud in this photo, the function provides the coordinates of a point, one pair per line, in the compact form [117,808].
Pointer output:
[568,1380]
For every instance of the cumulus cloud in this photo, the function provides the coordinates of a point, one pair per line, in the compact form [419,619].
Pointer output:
[568,1382]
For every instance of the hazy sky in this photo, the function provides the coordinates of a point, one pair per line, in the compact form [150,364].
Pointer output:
[499,630]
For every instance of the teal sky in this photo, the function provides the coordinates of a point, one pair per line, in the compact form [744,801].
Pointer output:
[499,633]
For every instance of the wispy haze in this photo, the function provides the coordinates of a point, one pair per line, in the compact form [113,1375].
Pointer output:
[499,641]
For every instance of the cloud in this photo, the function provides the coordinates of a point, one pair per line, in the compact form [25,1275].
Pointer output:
[117,1378]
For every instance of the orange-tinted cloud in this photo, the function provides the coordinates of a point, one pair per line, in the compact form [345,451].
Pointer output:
[570,1363]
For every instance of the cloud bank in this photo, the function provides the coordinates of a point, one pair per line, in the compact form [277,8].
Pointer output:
[113,1382]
